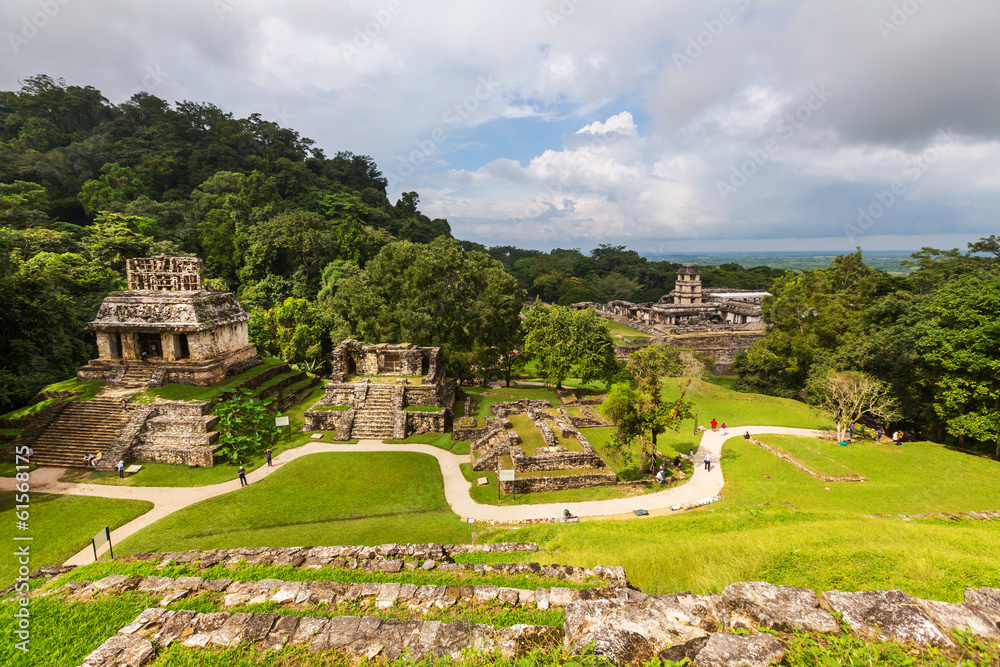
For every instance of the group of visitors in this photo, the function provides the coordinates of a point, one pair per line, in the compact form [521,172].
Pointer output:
[92,460]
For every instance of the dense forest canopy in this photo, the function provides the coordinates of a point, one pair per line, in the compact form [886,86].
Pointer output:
[315,250]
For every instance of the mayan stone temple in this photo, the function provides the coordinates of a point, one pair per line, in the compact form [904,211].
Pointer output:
[168,327]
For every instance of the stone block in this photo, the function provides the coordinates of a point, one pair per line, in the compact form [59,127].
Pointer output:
[950,616]
[229,633]
[485,593]
[723,650]
[986,600]
[216,585]
[516,640]
[288,592]
[121,650]
[710,609]
[542,598]
[308,628]
[886,615]
[280,634]
[508,596]
[179,626]
[174,597]
[633,633]
[387,596]
[204,625]
[148,622]
[257,627]
[190,583]
[560,597]
[154,584]
[391,566]
[784,608]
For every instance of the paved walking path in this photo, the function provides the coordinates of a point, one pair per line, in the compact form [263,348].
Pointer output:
[167,500]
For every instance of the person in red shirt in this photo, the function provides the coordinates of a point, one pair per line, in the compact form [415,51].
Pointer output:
[714,424]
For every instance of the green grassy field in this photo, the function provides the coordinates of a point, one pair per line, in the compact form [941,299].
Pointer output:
[821,538]
[183,392]
[59,525]
[809,452]
[364,498]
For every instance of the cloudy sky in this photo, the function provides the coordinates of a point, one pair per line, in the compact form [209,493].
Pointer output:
[664,125]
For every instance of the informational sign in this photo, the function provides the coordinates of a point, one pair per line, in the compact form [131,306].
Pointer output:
[281,421]
[102,538]
[506,475]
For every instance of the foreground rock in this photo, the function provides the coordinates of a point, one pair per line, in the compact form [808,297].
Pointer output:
[784,608]
[888,616]
[358,636]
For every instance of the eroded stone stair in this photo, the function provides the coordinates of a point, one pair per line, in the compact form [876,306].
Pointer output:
[80,427]
[377,418]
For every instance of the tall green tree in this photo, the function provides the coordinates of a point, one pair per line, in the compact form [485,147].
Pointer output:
[563,340]
[961,343]
[246,426]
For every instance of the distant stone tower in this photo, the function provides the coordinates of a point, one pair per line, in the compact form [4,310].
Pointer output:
[687,289]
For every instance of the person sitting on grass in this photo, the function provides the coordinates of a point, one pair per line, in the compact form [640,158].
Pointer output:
[746,436]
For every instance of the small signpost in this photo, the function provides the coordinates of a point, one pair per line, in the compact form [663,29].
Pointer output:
[506,476]
[283,421]
[100,539]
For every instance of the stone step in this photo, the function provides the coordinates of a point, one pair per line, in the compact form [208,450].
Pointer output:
[191,423]
[360,636]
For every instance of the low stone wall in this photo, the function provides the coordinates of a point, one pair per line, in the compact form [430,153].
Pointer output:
[588,458]
[558,482]
[491,447]
[518,407]
[303,594]
[699,627]
[370,559]
[427,422]
[469,433]
[369,637]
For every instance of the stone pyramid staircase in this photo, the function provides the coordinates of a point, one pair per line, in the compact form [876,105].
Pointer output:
[77,428]
[376,419]
[137,376]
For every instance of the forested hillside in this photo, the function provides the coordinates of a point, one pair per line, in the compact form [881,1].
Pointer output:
[85,184]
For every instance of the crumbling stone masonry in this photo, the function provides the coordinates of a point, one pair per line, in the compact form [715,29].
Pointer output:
[169,326]
[376,383]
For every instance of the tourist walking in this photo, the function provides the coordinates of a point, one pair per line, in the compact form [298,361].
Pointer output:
[267,455]
[124,405]
[243,477]
[708,462]
[723,428]
[850,429]
[120,467]
[878,434]
[714,424]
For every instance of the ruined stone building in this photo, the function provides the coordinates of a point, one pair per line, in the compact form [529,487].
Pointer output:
[372,386]
[718,322]
[168,327]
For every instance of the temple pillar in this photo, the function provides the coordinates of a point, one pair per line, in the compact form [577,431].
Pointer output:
[171,345]
[130,346]
[106,345]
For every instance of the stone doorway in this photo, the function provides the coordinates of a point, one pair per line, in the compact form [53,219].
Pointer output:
[150,345]
[115,344]
[185,351]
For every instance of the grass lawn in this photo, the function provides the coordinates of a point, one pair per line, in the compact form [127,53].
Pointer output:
[60,526]
[820,456]
[364,498]
[825,542]
[530,437]
[440,440]
[89,389]
[618,329]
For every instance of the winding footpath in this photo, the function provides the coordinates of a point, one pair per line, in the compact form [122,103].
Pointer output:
[703,484]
